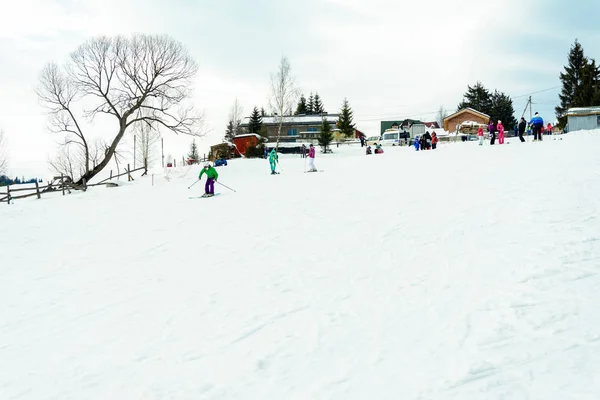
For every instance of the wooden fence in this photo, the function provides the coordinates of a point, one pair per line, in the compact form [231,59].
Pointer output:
[60,183]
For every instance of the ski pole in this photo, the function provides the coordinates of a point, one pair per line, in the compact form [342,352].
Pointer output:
[193,183]
[225,186]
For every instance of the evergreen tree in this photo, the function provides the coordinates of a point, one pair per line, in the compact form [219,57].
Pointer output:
[502,109]
[301,108]
[571,78]
[477,98]
[262,112]
[325,136]
[193,154]
[318,105]
[310,106]
[255,122]
[344,123]
[229,131]
[589,91]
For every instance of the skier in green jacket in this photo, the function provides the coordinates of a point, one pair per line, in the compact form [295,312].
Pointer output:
[211,177]
[273,159]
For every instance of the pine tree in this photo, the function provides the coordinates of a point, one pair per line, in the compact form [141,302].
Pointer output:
[229,132]
[310,106]
[262,112]
[318,105]
[477,98]
[502,109]
[571,80]
[325,136]
[193,154]
[344,123]
[255,122]
[588,92]
[301,108]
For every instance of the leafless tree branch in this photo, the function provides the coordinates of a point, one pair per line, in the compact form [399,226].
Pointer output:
[284,93]
[118,77]
[3,153]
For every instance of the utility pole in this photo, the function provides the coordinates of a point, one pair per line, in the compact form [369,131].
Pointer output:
[162,151]
[134,152]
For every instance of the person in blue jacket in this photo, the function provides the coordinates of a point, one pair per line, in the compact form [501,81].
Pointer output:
[417,142]
[537,125]
[273,159]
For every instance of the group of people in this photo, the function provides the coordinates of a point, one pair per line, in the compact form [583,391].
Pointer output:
[378,149]
[426,142]
[536,125]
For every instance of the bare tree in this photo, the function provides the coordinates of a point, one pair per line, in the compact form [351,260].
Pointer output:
[148,136]
[118,77]
[284,93]
[441,115]
[235,119]
[3,153]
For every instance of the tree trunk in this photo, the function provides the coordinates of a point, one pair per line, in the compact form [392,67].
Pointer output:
[108,156]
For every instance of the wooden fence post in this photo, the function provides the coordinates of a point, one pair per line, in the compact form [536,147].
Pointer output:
[7,194]
[62,182]
[84,185]
[110,175]
[37,189]
[128,174]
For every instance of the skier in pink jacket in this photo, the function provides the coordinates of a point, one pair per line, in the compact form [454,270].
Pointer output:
[500,129]
[311,158]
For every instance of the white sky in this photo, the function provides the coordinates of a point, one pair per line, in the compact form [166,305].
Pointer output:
[390,59]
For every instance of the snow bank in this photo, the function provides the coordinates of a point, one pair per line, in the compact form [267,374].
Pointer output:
[466,272]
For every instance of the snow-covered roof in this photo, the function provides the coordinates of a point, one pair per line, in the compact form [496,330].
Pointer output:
[582,111]
[287,144]
[295,119]
[466,109]
[249,135]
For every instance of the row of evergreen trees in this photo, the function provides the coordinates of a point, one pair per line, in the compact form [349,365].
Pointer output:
[6,181]
[496,104]
[312,106]
[580,83]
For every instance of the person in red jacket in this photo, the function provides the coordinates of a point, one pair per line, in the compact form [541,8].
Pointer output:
[434,140]
[311,158]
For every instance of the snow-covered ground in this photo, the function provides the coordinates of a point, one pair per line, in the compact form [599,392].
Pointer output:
[466,272]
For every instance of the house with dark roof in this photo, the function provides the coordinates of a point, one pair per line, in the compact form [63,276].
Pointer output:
[295,128]
[464,115]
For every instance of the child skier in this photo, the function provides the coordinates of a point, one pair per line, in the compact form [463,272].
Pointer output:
[417,143]
[273,159]
[311,158]
[500,129]
[434,140]
[480,135]
[211,177]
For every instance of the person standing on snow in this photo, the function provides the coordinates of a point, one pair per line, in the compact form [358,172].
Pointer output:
[434,140]
[211,177]
[273,160]
[537,124]
[480,135]
[500,129]
[311,158]
[492,131]
[522,127]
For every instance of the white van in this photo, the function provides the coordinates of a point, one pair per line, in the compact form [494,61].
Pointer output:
[394,137]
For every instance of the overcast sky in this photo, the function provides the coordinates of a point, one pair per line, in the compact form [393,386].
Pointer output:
[391,59]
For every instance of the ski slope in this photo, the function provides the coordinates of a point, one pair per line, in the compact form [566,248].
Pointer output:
[466,272]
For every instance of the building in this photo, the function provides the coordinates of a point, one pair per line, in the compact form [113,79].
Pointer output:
[466,114]
[403,125]
[242,142]
[432,125]
[583,118]
[295,128]
[221,150]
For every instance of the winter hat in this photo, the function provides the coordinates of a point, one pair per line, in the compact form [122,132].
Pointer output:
[206,165]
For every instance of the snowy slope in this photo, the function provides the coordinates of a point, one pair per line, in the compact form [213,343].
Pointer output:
[462,273]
